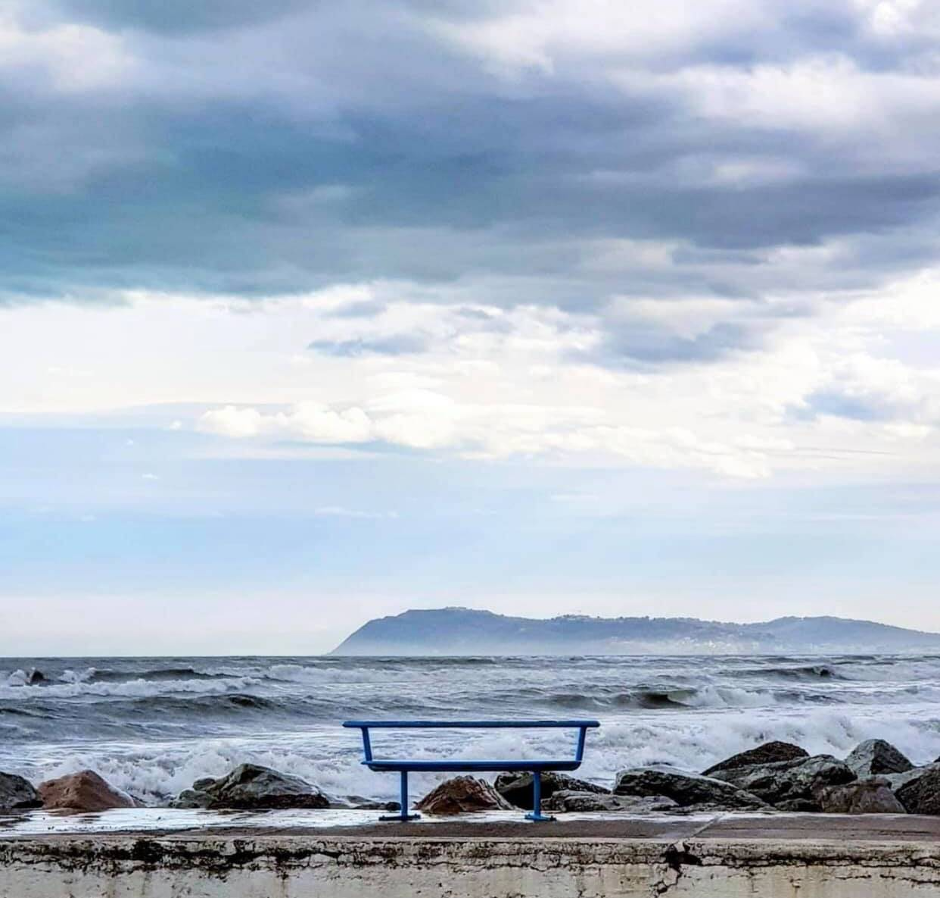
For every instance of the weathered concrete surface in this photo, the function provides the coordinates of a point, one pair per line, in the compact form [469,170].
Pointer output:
[724,856]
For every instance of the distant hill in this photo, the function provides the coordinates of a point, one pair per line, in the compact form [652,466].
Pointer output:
[456,631]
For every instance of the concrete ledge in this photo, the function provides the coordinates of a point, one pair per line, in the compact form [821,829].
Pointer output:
[797,856]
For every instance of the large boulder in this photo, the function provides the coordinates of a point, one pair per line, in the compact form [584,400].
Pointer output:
[516,787]
[775,751]
[85,791]
[872,796]
[252,787]
[920,794]
[897,781]
[874,757]
[460,795]
[17,792]
[578,801]
[790,786]
[683,787]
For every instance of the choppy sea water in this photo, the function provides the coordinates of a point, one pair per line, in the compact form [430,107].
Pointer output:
[153,726]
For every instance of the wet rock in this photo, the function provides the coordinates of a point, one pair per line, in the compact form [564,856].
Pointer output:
[85,791]
[517,786]
[361,802]
[897,781]
[17,792]
[460,795]
[873,757]
[578,801]
[252,787]
[793,785]
[190,799]
[872,796]
[774,751]
[920,795]
[684,788]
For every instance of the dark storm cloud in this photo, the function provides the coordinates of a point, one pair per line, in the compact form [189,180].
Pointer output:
[173,16]
[651,345]
[267,148]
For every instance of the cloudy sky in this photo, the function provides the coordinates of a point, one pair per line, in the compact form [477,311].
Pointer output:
[315,312]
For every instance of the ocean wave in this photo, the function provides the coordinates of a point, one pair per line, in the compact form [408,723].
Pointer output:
[795,672]
[154,674]
[667,698]
[139,687]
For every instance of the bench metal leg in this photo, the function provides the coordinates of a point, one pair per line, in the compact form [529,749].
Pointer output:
[403,814]
[536,814]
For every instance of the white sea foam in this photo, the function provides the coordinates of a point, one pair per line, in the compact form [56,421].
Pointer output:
[332,760]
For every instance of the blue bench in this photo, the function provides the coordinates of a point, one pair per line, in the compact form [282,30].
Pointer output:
[536,766]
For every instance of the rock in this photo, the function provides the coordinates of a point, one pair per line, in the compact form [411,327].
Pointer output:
[580,801]
[85,791]
[897,781]
[361,802]
[683,788]
[798,805]
[517,786]
[920,795]
[871,796]
[252,787]
[462,794]
[790,786]
[190,799]
[17,792]
[775,751]
[877,757]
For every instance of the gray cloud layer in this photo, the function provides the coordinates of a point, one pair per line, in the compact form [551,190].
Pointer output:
[266,148]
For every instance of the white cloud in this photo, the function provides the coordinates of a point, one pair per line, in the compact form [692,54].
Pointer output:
[542,37]
[230,421]
[815,388]
[73,58]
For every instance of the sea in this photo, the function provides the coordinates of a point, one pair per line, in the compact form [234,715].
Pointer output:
[152,726]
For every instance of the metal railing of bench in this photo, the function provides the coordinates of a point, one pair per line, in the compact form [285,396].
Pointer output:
[535,766]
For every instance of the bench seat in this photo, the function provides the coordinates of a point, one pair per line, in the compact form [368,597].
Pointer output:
[471,765]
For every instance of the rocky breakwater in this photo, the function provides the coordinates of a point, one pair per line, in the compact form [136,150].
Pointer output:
[875,778]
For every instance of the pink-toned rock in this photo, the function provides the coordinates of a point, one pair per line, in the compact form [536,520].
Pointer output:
[460,795]
[85,791]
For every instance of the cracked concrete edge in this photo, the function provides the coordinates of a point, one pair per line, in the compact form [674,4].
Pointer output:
[301,865]
[288,850]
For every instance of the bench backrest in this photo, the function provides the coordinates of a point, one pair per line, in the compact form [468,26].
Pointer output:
[581,724]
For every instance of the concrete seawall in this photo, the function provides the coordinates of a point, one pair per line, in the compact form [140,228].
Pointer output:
[727,856]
